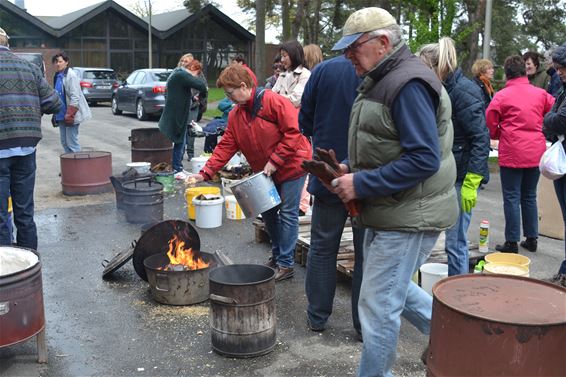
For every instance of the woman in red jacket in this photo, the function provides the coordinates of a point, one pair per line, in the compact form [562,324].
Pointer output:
[264,127]
[514,117]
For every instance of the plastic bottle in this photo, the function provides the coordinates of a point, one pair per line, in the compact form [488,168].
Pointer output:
[484,237]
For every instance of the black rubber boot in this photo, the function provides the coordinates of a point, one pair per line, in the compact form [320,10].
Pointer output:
[508,247]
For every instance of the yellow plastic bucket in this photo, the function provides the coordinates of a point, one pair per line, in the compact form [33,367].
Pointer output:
[191,192]
[508,258]
[506,269]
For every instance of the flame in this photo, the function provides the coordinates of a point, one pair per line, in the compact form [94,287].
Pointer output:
[179,256]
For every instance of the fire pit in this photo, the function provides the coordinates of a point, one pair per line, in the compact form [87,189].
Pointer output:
[179,277]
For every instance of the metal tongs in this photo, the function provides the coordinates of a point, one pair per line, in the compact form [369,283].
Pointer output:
[326,167]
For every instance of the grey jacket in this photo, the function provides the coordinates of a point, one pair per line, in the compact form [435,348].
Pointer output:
[75,97]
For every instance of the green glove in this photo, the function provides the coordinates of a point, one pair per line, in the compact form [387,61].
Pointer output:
[469,191]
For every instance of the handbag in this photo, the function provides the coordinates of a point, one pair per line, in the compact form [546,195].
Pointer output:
[553,162]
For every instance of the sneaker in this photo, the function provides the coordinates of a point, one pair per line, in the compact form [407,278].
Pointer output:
[530,244]
[559,279]
[271,263]
[508,247]
[313,327]
[181,175]
[284,273]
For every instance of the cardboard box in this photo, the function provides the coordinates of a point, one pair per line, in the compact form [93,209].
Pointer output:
[550,222]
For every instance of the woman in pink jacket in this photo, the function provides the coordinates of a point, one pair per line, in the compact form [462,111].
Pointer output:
[514,117]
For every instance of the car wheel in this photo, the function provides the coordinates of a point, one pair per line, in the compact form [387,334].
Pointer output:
[140,111]
[115,110]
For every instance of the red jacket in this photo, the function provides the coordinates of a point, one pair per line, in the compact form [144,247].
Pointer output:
[273,135]
[514,117]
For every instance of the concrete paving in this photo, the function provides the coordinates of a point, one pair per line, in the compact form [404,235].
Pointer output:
[114,328]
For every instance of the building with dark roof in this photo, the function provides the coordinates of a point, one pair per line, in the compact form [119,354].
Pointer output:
[108,35]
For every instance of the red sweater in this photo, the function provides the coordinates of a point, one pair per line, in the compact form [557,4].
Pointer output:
[514,117]
[273,135]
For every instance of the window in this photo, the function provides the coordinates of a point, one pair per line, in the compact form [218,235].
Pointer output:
[132,78]
[100,75]
[140,79]
[160,76]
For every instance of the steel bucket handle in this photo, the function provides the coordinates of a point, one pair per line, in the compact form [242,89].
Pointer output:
[222,299]
[162,277]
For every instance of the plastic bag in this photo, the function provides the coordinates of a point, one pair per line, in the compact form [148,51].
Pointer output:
[553,162]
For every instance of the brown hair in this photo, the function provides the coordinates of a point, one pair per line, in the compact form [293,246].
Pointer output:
[233,76]
[514,67]
[195,66]
[313,56]
[481,66]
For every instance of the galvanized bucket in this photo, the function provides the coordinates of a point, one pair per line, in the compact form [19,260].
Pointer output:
[256,194]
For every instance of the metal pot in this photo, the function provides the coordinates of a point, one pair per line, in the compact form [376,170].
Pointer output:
[177,287]
[256,194]
[242,310]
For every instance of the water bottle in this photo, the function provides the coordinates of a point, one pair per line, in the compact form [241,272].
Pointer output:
[484,236]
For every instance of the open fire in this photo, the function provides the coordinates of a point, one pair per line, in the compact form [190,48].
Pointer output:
[181,259]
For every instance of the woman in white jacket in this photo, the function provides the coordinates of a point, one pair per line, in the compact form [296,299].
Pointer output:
[291,83]
[75,109]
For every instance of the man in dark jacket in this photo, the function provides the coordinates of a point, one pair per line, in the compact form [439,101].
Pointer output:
[25,96]
[402,172]
[325,118]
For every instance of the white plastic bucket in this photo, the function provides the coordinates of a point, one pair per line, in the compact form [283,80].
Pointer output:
[208,212]
[233,209]
[197,163]
[432,273]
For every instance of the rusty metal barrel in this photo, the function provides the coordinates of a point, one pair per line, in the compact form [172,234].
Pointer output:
[242,310]
[21,295]
[497,325]
[86,172]
[150,145]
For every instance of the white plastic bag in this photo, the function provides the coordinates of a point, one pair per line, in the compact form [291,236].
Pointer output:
[553,162]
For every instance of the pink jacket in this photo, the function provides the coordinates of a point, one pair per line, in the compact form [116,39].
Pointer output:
[514,117]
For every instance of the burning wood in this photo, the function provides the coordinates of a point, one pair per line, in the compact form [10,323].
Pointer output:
[181,259]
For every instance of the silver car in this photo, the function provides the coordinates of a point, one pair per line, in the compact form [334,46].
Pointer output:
[97,84]
[142,93]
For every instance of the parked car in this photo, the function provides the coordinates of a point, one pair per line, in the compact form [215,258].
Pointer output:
[33,57]
[97,84]
[143,93]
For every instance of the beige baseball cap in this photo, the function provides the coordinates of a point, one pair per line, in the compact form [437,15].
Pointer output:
[363,21]
[3,33]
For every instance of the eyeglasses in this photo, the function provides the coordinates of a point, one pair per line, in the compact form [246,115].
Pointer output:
[355,46]
[229,94]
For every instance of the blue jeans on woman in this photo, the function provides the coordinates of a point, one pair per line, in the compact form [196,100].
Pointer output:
[456,245]
[282,222]
[17,177]
[519,187]
[560,188]
[177,160]
[69,136]
[327,224]
[390,260]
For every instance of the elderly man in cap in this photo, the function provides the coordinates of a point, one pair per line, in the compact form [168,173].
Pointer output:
[402,171]
[555,124]
[25,96]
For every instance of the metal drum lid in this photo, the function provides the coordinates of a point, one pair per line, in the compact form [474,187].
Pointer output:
[504,298]
[118,261]
[142,185]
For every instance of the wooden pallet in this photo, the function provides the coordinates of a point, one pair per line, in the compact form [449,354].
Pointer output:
[345,262]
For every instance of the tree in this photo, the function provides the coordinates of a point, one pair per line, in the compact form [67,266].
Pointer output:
[260,40]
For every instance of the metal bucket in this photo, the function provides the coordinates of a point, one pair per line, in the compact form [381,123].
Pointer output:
[143,201]
[149,144]
[256,194]
[85,173]
[177,287]
[242,310]
[497,325]
[21,295]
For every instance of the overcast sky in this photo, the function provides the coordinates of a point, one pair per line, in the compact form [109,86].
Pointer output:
[59,7]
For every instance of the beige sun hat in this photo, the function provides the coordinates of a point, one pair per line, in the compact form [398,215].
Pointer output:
[363,21]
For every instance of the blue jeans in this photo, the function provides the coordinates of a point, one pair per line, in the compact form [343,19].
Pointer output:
[190,136]
[17,177]
[177,160]
[327,224]
[69,137]
[457,241]
[560,188]
[519,187]
[390,260]
[282,222]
